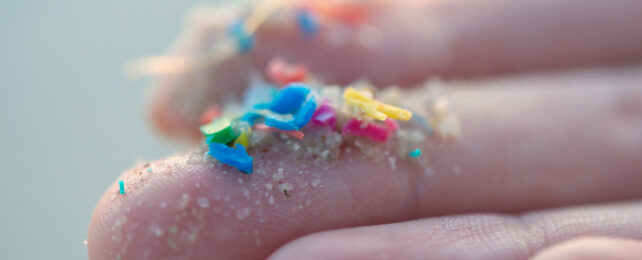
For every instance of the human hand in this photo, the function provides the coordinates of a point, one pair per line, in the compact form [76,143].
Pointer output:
[533,147]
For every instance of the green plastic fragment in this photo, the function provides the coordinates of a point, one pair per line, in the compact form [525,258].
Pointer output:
[219,131]
[121,186]
[415,153]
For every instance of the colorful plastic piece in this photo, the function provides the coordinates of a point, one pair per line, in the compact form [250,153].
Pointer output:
[325,116]
[244,40]
[373,108]
[210,114]
[284,73]
[395,112]
[415,153]
[303,116]
[219,131]
[288,100]
[371,131]
[391,124]
[244,138]
[280,123]
[250,117]
[349,12]
[308,24]
[355,98]
[121,186]
[296,134]
[236,157]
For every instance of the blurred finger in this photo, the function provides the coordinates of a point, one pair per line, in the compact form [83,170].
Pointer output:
[404,43]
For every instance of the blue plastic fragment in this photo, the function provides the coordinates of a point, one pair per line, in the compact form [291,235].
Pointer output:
[244,40]
[250,117]
[235,157]
[303,116]
[121,186]
[288,100]
[278,123]
[308,24]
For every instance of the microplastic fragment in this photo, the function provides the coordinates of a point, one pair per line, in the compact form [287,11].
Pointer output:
[280,123]
[236,157]
[250,117]
[244,40]
[415,153]
[308,24]
[284,73]
[210,114]
[219,131]
[303,116]
[296,134]
[369,130]
[288,100]
[325,116]
[121,186]
[391,124]
[244,138]
[373,108]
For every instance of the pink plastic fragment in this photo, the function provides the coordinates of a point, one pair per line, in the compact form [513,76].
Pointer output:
[210,114]
[263,127]
[283,73]
[374,132]
[325,116]
[391,124]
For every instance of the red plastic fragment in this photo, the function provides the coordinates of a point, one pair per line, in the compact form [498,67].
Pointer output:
[284,73]
[377,133]
[263,127]
[210,114]
[345,11]
[325,116]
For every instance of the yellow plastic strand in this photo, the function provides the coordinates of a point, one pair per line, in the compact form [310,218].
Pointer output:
[373,108]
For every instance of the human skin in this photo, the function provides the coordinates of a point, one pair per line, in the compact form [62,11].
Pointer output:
[549,151]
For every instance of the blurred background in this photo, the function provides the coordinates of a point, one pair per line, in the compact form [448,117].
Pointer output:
[70,121]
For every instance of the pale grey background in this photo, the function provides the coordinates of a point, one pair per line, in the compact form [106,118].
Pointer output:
[70,122]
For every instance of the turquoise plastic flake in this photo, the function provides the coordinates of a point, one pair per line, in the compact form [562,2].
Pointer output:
[235,157]
[415,153]
[121,186]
